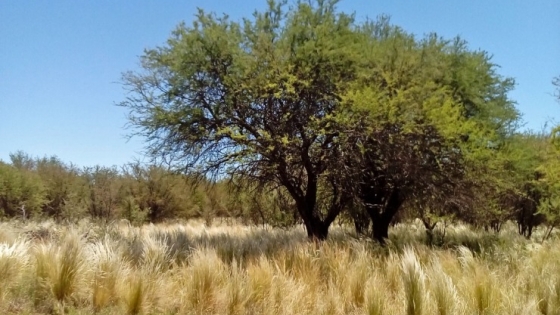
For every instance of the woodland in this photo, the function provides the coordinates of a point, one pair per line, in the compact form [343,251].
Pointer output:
[303,115]
[300,162]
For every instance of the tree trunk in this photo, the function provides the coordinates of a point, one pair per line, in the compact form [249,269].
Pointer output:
[317,230]
[381,227]
[429,231]
[316,227]
[382,215]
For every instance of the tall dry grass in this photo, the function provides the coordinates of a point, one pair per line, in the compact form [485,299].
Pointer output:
[232,269]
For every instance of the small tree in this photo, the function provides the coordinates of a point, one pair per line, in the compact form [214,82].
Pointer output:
[549,182]
[159,192]
[20,190]
[102,186]
[398,168]
[62,184]
[510,188]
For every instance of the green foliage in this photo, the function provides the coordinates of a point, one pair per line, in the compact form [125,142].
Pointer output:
[62,186]
[21,192]
[507,186]
[445,113]
[253,99]
[155,193]
[132,212]
[282,99]
[102,197]
[47,187]
[302,113]
[549,182]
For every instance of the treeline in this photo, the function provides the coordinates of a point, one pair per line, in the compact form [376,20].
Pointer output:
[519,182]
[37,188]
[525,175]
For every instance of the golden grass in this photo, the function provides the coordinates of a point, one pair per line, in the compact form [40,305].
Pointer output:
[234,269]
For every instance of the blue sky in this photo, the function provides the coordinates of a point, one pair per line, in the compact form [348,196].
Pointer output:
[61,61]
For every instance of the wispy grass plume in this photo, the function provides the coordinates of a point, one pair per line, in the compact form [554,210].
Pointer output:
[413,278]
[68,266]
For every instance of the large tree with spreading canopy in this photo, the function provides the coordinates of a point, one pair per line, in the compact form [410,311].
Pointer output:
[306,99]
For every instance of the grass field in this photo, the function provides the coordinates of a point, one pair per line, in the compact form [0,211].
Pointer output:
[232,269]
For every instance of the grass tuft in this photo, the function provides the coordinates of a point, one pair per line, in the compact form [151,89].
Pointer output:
[413,278]
[135,295]
[443,290]
[68,267]
[13,260]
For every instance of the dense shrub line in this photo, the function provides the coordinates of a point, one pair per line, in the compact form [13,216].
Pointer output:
[40,188]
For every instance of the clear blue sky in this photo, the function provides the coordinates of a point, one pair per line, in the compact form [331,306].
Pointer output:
[61,61]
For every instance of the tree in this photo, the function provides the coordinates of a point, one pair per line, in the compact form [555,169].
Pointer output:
[398,168]
[519,172]
[22,161]
[253,100]
[548,183]
[422,121]
[103,191]
[62,187]
[21,192]
[314,103]
[155,190]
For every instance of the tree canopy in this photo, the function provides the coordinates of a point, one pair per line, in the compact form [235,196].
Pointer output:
[325,108]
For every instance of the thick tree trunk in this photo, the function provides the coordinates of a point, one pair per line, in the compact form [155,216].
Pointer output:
[317,227]
[382,215]
[306,201]
[317,230]
[381,227]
